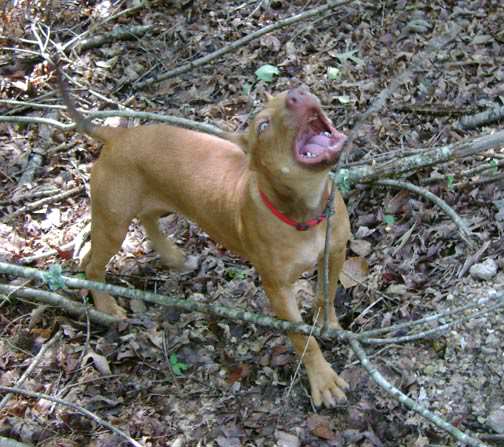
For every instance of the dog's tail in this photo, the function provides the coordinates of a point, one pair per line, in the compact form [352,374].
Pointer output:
[82,123]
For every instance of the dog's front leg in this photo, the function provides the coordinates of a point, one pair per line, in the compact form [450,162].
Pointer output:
[326,386]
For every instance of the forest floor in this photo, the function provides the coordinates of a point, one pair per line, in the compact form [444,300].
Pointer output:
[175,378]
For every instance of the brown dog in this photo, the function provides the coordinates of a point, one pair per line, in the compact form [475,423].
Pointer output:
[263,201]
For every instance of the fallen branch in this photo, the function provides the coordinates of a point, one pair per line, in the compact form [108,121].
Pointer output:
[232,313]
[36,360]
[169,119]
[39,203]
[184,304]
[487,117]
[464,231]
[139,5]
[331,4]
[29,195]
[78,408]
[383,383]
[54,299]
[119,33]
[281,325]
[345,178]
[35,159]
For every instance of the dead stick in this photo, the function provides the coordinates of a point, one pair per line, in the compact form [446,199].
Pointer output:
[57,300]
[486,117]
[331,4]
[383,383]
[39,203]
[219,310]
[36,360]
[120,33]
[425,158]
[465,233]
[78,408]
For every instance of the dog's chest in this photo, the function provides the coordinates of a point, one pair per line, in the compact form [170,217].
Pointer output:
[304,254]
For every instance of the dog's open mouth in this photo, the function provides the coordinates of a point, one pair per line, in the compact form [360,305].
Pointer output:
[318,142]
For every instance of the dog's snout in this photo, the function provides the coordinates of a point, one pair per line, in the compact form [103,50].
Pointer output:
[300,97]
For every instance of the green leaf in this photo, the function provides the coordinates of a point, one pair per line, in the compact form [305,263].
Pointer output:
[53,277]
[266,72]
[495,167]
[232,273]
[333,73]
[450,179]
[389,219]
[246,89]
[177,367]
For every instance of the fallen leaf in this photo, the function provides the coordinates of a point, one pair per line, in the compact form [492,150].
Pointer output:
[320,426]
[100,362]
[355,271]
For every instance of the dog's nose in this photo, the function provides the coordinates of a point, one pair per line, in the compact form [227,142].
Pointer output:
[300,97]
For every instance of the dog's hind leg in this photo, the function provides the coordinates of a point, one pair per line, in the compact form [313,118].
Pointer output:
[106,240]
[171,255]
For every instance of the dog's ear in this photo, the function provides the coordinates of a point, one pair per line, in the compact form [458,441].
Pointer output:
[238,138]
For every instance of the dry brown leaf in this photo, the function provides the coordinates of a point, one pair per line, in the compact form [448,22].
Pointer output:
[355,271]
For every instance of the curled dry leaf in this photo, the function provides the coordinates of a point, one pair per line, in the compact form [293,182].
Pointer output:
[100,362]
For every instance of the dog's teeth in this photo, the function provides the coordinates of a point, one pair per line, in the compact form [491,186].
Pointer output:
[309,155]
[326,133]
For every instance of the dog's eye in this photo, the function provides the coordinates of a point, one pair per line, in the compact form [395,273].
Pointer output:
[262,126]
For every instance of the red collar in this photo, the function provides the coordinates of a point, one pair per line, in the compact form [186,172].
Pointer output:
[300,226]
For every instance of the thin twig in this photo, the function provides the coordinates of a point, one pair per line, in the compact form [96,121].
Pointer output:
[429,319]
[92,29]
[39,203]
[300,360]
[437,331]
[120,33]
[34,363]
[32,105]
[383,383]
[465,233]
[169,119]
[78,408]
[331,4]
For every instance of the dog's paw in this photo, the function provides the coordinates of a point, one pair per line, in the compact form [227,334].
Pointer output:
[326,386]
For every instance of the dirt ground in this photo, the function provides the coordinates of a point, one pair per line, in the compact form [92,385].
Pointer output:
[171,378]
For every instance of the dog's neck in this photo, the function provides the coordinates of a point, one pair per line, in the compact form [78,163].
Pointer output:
[299,199]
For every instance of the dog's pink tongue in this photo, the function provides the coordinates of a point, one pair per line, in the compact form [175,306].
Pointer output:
[320,140]
[317,143]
